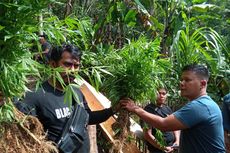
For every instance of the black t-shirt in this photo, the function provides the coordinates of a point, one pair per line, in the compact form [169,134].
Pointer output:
[163,111]
[47,104]
[45,46]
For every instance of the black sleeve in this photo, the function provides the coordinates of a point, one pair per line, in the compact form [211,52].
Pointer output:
[96,117]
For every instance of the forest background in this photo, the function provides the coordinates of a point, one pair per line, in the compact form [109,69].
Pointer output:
[129,46]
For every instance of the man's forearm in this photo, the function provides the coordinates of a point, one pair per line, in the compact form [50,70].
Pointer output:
[46,51]
[96,117]
[154,120]
[177,136]
[169,123]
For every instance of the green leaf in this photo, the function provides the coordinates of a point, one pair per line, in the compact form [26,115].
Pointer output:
[8,37]
[202,7]
[141,7]
[130,17]
[1,27]
[68,96]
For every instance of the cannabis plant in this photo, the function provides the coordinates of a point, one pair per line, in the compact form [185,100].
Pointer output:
[136,73]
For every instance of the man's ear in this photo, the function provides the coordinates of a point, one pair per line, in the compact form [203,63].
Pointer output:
[203,83]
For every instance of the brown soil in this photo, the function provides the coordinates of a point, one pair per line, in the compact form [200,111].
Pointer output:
[25,135]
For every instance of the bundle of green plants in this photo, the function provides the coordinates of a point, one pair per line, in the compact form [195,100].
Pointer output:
[136,71]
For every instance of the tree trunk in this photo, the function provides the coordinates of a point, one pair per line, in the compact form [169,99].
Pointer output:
[40,24]
[69,7]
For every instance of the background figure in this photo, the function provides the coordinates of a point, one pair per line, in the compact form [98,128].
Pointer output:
[226,120]
[44,56]
[200,120]
[170,138]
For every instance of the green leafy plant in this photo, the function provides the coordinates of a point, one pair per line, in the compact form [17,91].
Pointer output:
[158,135]
[18,22]
[135,72]
[196,46]
[160,138]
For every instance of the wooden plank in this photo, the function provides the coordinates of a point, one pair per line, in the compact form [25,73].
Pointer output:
[97,101]
[93,99]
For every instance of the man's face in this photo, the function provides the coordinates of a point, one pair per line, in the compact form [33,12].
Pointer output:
[161,96]
[190,85]
[41,40]
[70,65]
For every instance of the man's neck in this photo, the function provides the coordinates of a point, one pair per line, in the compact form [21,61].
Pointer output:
[159,105]
[56,85]
[200,95]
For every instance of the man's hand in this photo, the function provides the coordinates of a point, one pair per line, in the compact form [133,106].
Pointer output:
[168,149]
[175,145]
[128,104]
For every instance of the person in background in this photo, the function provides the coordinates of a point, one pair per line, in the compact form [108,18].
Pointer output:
[43,57]
[47,103]
[171,138]
[200,120]
[226,119]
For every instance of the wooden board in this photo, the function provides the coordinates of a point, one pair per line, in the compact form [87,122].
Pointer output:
[93,98]
[97,101]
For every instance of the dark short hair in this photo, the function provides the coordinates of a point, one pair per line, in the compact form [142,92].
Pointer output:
[44,36]
[162,87]
[57,51]
[200,70]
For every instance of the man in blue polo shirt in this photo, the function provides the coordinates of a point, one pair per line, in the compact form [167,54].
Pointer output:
[200,120]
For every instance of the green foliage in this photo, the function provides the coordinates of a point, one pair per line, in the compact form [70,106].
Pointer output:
[203,46]
[202,7]
[200,45]
[158,135]
[130,18]
[135,72]
[194,31]
[17,20]
[70,94]
[6,113]
[19,27]
[160,138]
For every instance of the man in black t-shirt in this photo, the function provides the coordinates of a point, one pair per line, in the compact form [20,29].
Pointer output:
[43,57]
[150,133]
[47,103]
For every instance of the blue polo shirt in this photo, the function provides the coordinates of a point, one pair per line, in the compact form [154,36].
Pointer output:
[205,132]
